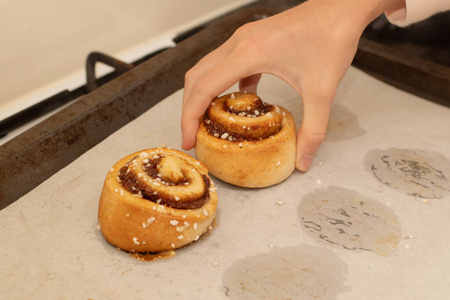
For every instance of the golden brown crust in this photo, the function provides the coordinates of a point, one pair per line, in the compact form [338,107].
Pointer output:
[135,224]
[261,150]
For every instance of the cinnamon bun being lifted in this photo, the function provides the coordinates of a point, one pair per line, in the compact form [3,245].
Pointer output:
[155,200]
[247,142]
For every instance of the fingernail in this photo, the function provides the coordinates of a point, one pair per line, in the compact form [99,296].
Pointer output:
[305,162]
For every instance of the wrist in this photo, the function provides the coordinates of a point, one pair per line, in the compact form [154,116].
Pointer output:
[365,11]
[355,15]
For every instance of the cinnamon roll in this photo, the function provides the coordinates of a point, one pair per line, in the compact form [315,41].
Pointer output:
[155,200]
[247,142]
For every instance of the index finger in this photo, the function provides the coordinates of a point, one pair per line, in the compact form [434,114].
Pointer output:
[206,86]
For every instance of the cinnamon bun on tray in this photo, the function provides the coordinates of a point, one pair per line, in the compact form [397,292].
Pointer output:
[155,200]
[247,142]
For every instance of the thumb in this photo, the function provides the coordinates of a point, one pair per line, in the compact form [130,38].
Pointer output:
[313,127]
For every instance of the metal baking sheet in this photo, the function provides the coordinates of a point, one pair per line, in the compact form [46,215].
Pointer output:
[368,221]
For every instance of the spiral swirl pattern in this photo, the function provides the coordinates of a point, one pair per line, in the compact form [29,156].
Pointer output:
[242,116]
[165,179]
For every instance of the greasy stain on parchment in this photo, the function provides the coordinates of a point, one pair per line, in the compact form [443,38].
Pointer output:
[347,220]
[419,173]
[302,272]
[342,124]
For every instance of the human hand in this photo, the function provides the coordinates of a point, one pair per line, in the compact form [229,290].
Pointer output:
[310,46]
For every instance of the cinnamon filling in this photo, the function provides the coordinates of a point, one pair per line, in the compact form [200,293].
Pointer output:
[257,108]
[134,184]
[219,130]
[241,117]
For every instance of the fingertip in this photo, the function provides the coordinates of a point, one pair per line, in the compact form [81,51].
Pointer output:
[307,146]
[189,132]
[304,162]
[188,142]
[185,145]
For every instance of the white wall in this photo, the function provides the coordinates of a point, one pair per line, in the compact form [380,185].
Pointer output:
[44,44]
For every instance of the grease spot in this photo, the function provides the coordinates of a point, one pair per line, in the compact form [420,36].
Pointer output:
[342,124]
[290,273]
[415,172]
[345,219]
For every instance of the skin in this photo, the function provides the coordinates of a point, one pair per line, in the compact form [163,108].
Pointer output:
[310,46]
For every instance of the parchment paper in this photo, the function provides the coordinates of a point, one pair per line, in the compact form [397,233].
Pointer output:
[269,242]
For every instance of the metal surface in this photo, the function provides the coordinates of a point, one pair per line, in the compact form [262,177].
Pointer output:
[405,71]
[34,111]
[415,59]
[61,98]
[95,57]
